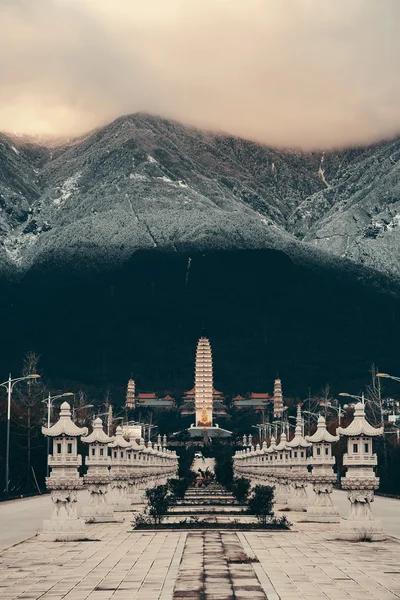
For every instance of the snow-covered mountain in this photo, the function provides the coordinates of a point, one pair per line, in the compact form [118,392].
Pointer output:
[144,182]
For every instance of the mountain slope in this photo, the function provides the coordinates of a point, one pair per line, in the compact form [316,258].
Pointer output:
[144,182]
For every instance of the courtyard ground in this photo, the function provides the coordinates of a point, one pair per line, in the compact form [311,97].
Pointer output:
[306,563]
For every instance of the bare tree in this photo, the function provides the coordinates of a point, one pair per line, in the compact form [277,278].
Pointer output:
[27,414]
[374,406]
[82,409]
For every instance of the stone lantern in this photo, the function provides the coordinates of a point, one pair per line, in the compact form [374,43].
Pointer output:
[134,471]
[322,509]
[282,484]
[119,471]
[97,478]
[270,462]
[360,480]
[298,473]
[64,481]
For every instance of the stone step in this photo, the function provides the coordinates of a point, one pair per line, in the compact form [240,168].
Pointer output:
[183,509]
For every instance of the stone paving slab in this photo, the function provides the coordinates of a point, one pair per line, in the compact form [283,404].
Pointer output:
[139,565]
[306,563]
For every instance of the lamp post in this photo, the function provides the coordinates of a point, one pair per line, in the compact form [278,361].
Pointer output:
[75,410]
[362,397]
[110,420]
[49,404]
[338,409]
[9,385]
[387,376]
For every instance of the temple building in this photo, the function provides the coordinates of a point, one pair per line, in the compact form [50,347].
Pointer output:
[254,400]
[151,400]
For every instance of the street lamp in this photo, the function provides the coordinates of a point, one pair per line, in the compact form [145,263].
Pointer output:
[338,409]
[362,397]
[9,385]
[387,376]
[75,410]
[49,403]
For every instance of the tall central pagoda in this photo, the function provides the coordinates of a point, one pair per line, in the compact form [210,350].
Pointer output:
[203,384]
[207,401]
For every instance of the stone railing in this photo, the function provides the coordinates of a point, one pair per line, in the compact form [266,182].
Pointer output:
[301,471]
[122,467]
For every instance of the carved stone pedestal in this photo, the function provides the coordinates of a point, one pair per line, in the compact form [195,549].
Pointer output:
[120,501]
[322,510]
[97,510]
[282,490]
[360,524]
[136,492]
[64,524]
[298,499]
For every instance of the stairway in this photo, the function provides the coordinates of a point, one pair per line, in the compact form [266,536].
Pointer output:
[213,499]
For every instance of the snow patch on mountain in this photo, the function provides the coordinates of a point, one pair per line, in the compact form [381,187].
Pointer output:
[67,188]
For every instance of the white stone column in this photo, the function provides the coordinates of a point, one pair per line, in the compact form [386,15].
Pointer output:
[360,480]
[64,481]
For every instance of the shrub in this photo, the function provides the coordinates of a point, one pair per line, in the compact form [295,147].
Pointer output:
[241,489]
[224,465]
[159,500]
[261,503]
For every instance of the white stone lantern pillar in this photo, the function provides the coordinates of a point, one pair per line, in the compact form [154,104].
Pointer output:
[360,480]
[322,510]
[119,472]
[270,463]
[64,481]
[97,478]
[299,476]
[135,472]
[281,476]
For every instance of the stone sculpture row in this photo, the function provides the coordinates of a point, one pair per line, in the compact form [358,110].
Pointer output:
[295,466]
[125,466]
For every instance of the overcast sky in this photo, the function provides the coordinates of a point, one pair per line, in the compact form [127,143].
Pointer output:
[308,73]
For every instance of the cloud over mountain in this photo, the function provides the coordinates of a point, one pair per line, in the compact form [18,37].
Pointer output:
[294,73]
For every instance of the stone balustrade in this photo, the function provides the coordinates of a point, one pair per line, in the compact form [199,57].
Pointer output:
[118,473]
[301,471]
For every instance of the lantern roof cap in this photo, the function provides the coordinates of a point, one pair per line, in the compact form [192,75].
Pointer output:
[322,434]
[119,441]
[298,441]
[283,442]
[272,447]
[360,425]
[98,434]
[65,425]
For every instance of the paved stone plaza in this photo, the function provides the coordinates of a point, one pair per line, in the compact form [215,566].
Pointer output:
[307,562]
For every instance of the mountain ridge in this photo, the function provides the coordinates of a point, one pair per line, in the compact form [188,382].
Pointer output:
[144,182]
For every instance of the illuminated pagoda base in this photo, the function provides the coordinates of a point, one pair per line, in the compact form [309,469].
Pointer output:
[211,432]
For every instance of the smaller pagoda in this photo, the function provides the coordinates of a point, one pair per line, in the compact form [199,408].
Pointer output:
[360,480]
[278,399]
